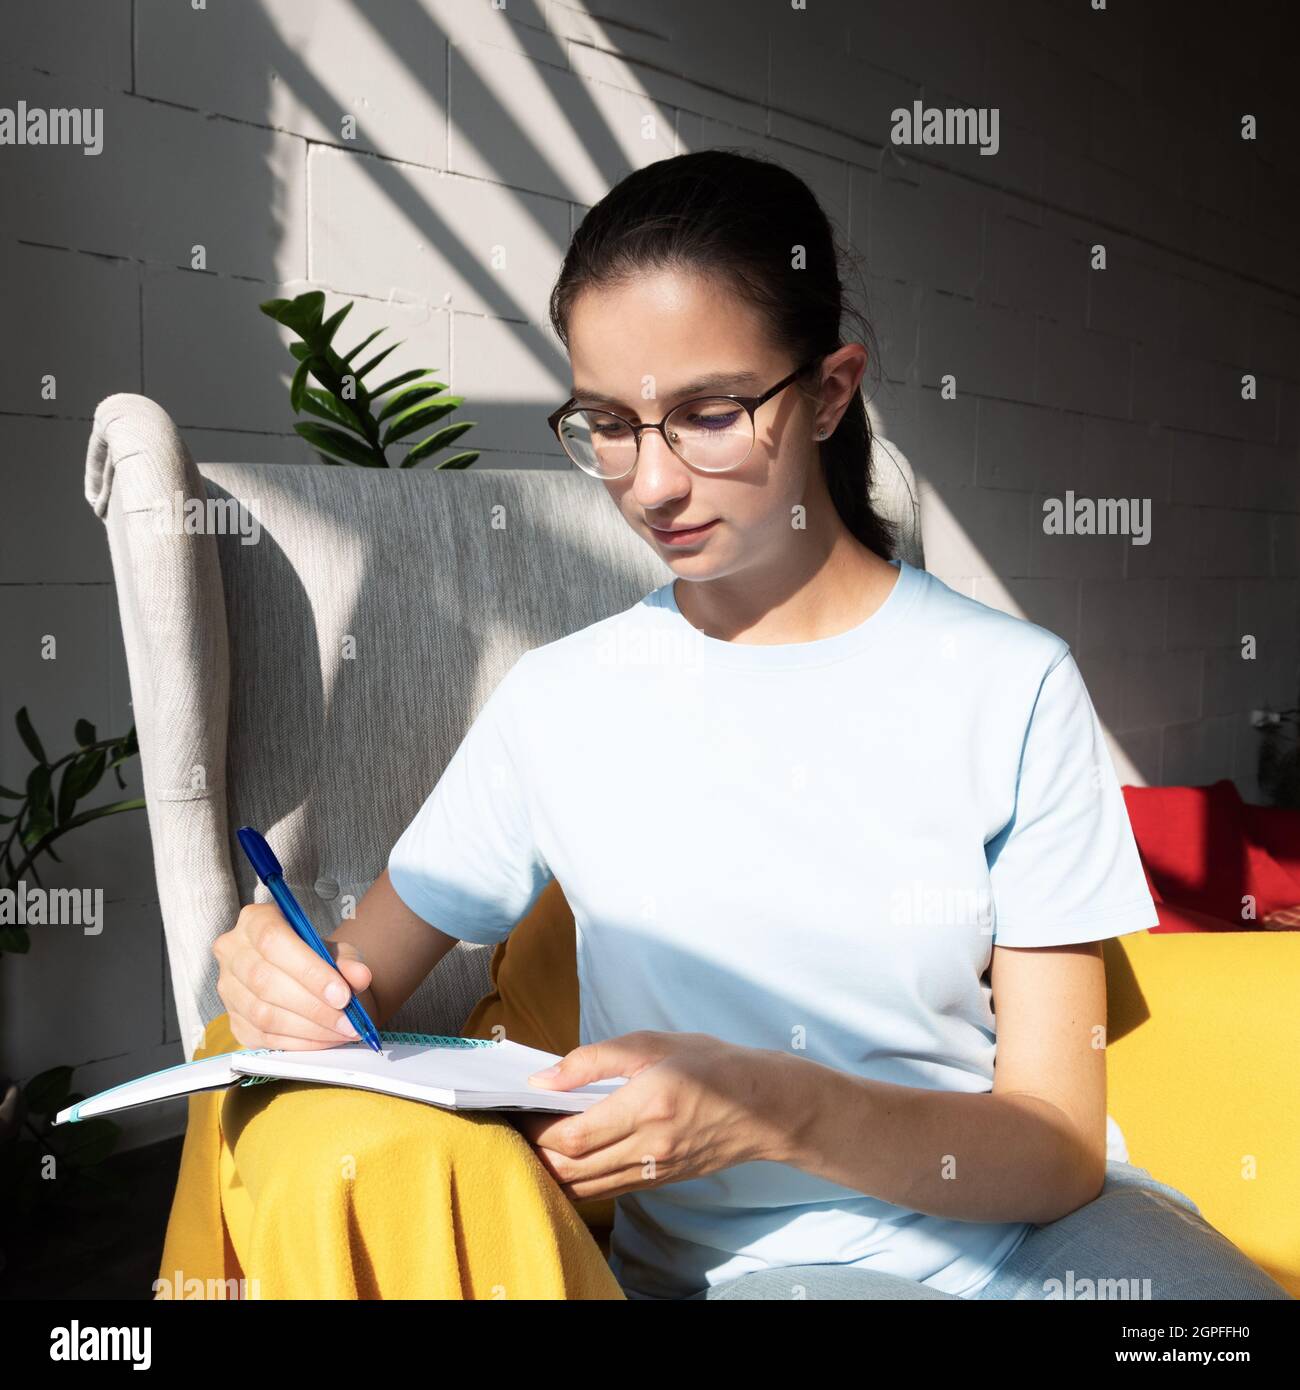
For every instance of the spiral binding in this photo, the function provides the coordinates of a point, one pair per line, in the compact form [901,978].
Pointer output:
[438,1040]
[419,1039]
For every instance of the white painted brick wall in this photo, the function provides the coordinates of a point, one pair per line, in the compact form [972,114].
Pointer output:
[481,129]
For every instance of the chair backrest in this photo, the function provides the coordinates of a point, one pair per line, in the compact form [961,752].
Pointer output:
[307,646]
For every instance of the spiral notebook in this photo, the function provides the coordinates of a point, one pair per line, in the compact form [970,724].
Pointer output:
[456,1073]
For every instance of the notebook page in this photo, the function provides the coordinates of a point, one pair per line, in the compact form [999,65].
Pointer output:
[464,1073]
[206,1074]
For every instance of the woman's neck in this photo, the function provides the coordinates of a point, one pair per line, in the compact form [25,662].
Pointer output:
[847,588]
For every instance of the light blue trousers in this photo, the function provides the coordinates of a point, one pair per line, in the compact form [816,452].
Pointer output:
[1139,1239]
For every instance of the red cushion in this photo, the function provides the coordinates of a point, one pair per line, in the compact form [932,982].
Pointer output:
[1276,829]
[1199,854]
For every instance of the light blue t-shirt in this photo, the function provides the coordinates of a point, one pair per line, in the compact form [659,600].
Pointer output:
[810,846]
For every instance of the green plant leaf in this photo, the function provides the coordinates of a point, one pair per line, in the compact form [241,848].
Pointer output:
[362,372]
[417,417]
[13,796]
[273,308]
[329,376]
[124,748]
[459,460]
[38,784]
[437,441]
[300,350]
[28,735]
[329,407]
[68,790]
[84,731]
[412,375]
[401,399]
[40,805]
[89,772]
[330,326]
[303,314]
[332,441]
[34,832]
[299,384]
[362,345]
[112,809]
[46,1093]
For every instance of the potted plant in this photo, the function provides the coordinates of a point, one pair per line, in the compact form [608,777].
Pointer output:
[361,421]
[31,1151]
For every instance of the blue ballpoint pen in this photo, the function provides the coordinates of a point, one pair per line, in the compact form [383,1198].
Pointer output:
[267,867]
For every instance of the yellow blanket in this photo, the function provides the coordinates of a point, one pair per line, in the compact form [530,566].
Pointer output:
[307,1191]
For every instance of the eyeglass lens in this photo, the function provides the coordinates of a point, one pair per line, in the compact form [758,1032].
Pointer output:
[712,434]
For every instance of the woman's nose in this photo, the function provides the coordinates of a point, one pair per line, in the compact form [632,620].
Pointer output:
[660,475]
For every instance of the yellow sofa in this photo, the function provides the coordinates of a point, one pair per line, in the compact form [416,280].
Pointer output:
[1202,1071]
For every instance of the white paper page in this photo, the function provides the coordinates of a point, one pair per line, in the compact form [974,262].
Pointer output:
[207,1074]
[462,1077]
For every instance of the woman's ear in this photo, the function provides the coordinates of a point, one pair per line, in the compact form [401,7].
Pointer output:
[842,373]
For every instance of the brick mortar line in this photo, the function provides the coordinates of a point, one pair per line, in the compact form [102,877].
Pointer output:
[971,299]
[1035,200]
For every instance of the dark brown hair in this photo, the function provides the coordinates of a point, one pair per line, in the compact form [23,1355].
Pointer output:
[742,219]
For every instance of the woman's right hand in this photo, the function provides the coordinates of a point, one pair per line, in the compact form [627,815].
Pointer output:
[277,990]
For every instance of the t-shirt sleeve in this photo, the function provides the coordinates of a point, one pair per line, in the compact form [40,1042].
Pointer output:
[468,863]
[1065,867]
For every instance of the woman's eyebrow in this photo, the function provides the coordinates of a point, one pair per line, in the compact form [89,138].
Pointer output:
[715,381]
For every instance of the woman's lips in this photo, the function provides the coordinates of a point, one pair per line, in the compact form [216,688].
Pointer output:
[684,537]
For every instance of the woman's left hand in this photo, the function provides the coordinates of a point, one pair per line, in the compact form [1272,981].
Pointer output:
[693,1105]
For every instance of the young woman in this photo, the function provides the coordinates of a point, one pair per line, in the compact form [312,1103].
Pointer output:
[817,816]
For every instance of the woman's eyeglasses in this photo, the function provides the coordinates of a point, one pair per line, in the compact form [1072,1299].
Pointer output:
[711,433]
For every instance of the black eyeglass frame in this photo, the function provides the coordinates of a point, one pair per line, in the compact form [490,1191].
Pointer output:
[749,404]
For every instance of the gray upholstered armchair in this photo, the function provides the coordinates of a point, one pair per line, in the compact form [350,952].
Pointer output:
[311,667]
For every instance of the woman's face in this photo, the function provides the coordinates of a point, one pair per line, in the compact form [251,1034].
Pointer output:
[636,350]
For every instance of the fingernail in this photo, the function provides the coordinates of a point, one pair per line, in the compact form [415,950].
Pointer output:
[345,1027]
[337,994]
[549,1071]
